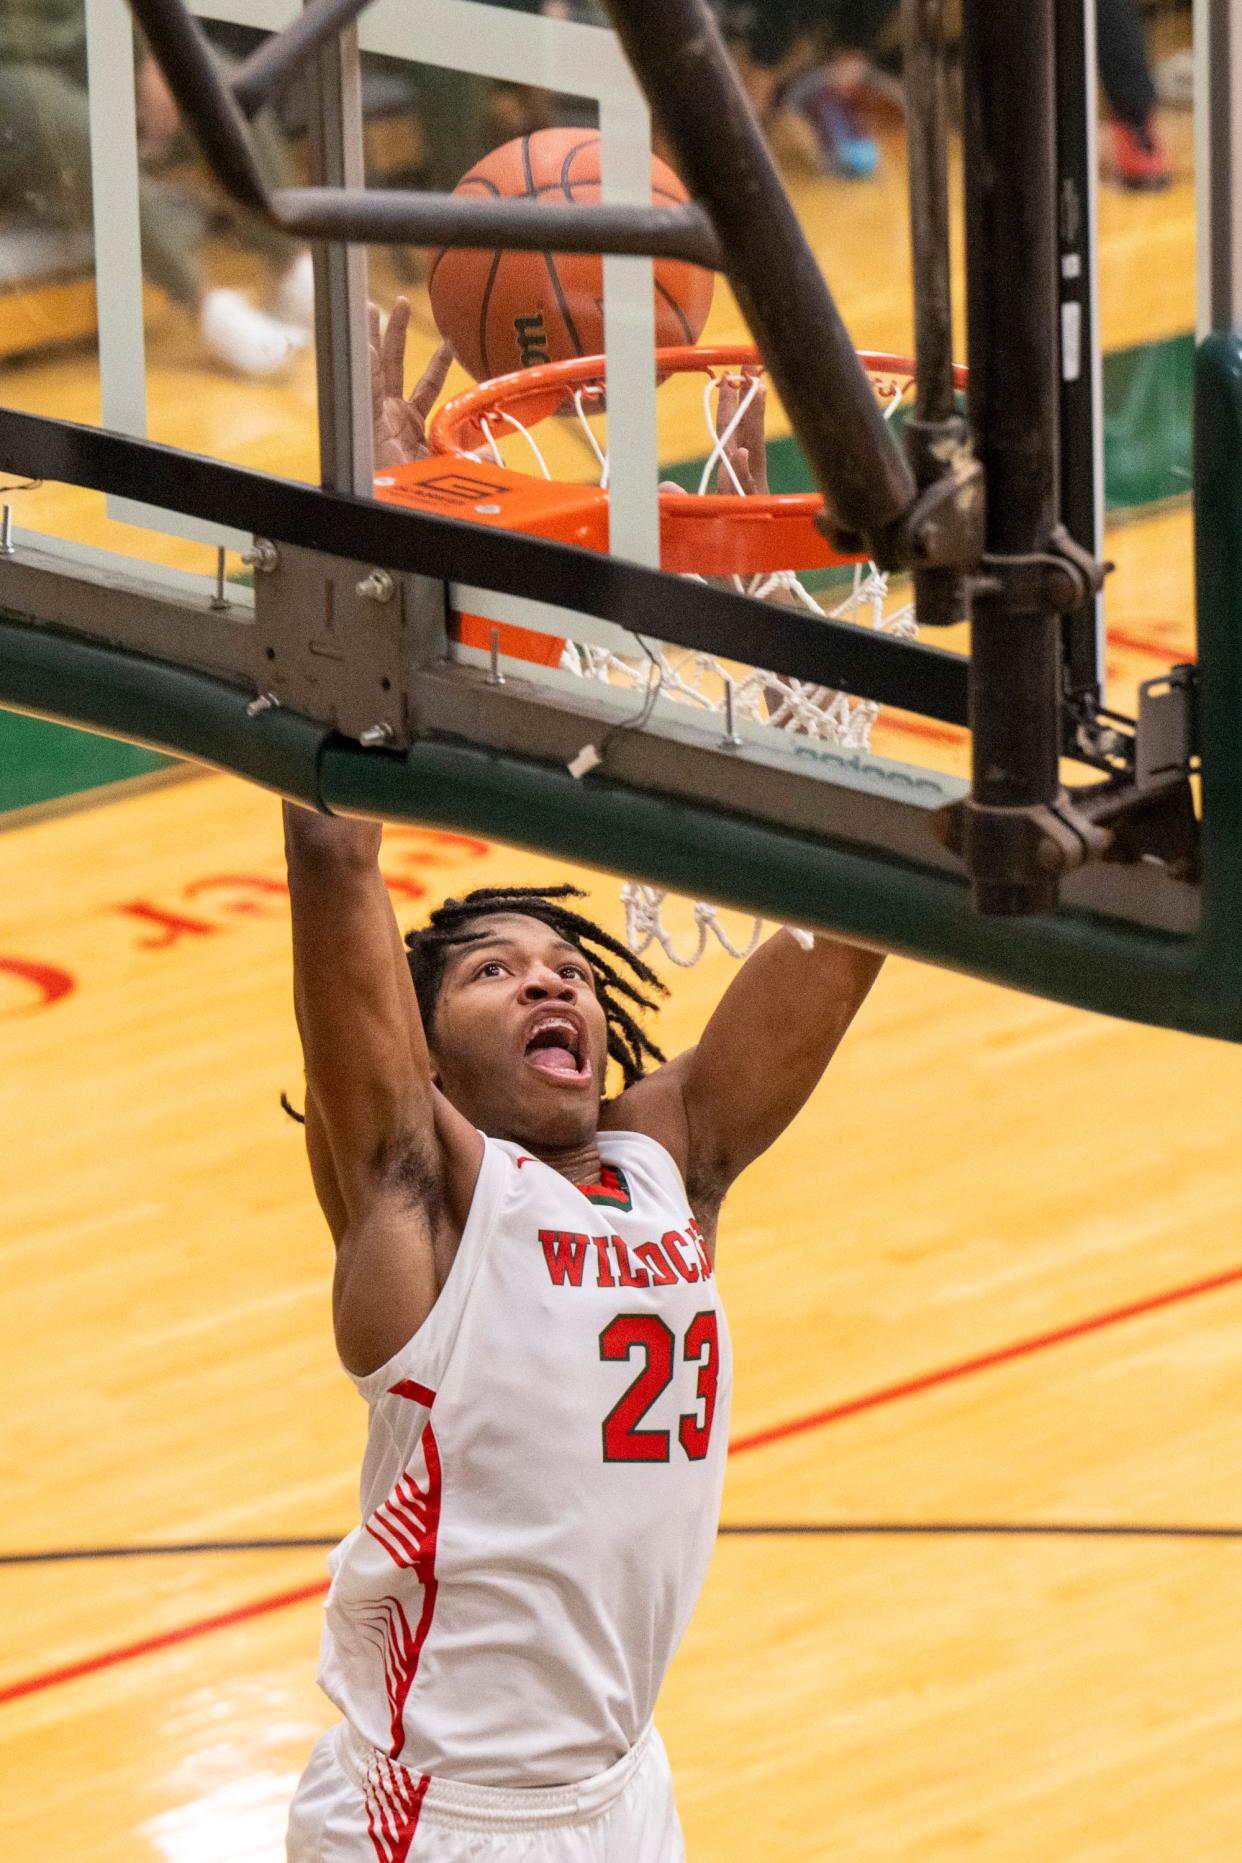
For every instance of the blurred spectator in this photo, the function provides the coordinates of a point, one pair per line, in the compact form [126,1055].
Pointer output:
[1139,160]
[781,47]
[45,174]
[517,109]
[810,56]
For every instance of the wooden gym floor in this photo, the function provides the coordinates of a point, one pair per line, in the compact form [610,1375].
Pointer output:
[986,1297]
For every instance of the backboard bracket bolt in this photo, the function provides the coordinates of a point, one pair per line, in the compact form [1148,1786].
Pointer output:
[262,556]
[732,738]
[495,677]
[377,587]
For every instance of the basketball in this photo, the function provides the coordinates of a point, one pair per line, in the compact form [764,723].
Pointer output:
[504,310]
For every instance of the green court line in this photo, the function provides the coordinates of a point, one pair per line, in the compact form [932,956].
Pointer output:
[42,762]
[1147,459]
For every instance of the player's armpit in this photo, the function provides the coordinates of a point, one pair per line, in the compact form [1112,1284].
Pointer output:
[387,1278]
[392,1262]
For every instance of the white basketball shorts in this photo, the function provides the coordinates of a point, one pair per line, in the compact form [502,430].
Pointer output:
[353,1805]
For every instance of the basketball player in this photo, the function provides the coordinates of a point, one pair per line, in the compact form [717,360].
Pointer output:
[525,1296]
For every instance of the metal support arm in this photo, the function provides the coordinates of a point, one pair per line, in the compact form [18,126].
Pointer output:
[1013,847]
[683,66]
[937,438]
[277,57]
[398,216]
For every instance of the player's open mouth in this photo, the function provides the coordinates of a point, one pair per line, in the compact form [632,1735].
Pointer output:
[556,1046]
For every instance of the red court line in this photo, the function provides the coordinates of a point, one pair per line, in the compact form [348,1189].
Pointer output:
[967,1367]
[185,1633]
[796,1426]
[1168,651]
[914,727]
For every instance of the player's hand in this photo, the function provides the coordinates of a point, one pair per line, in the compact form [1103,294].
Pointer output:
[158,122]
[747,450]
[400,420]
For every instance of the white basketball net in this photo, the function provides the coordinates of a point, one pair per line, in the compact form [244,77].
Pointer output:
[700,680]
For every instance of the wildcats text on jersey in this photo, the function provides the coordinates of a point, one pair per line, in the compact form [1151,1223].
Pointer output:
[574,1259]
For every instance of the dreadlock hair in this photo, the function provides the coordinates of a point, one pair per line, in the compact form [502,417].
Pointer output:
[452,923]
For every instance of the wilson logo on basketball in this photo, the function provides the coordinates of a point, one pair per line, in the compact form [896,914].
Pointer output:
[532,340]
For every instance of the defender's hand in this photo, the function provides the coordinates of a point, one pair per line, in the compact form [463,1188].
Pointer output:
[747,451]
[400,420]
[158,122]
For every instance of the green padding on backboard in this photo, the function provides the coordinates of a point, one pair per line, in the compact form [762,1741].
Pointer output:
[158,706]
[40,761]
[1074,957]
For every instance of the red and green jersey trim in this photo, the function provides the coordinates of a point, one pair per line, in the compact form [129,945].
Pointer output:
[612,1191]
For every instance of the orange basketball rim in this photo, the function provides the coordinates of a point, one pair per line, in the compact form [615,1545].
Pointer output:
[708,534]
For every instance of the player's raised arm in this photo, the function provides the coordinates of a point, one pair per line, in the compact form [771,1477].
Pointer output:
[366,1056]
[720,1105]
[772,1035]
[393,1163]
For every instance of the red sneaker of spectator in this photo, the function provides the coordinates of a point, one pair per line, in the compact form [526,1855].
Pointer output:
[1139,160]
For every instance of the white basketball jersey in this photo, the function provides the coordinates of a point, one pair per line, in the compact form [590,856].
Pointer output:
[542,1481]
